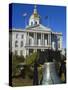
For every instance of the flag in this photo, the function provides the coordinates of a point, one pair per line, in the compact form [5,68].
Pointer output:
[25,14]
[46,17]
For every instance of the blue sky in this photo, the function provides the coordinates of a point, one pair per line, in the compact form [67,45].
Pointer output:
[56,17]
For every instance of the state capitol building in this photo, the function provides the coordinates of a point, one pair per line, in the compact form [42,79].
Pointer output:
[34,37]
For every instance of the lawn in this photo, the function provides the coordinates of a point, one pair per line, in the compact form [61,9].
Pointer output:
[21,82]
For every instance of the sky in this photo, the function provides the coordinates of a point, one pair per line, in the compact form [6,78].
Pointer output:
[56,17]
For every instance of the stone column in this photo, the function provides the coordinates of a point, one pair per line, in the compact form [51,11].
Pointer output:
[27,51]
[49,39]
[26,38]
[34,39]
[43,39]
[60,42]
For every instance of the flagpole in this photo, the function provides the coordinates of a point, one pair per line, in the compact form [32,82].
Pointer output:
[48,21]
[47,17]
[25,21]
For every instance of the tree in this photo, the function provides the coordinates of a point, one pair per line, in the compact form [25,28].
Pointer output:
[15,62]
[33,60]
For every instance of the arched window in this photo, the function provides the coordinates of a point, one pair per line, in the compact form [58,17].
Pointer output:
[58,44]
[21,43]
[35,22]
[22,36]
[16,35]
[16,43]
[30,42]
[31,23]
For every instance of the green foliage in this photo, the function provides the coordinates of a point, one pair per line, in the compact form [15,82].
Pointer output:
[15,61]
[32,58]
[29,61]
[40,72]
[29,72]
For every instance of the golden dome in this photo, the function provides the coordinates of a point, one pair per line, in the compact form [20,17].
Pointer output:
[35,14]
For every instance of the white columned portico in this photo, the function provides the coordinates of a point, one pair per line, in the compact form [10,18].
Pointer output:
[61,42]
[43,38]
[49,39]
[35,38]
[26,38]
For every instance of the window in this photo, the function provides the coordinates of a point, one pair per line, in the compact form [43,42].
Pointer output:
[16,43]
[45,42]
[39,42]
[35,23]
[21,43]
[16,35]
[22,36]
[21,52]
[30,41]
[16,52]
[58,44]
[31,23]
[53,45]
[58,39]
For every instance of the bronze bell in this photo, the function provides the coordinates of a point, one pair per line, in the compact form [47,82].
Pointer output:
[50,75]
